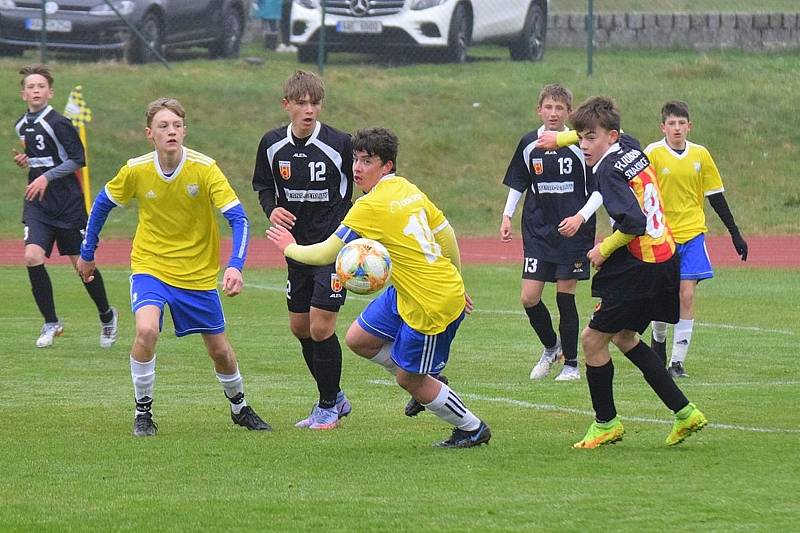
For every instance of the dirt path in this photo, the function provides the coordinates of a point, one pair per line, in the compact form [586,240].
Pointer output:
[765,252]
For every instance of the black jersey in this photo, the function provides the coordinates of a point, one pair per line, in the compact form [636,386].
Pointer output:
[313,181]
[50,139]
[556,186]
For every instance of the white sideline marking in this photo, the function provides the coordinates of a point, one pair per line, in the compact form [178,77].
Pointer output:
[583,412]
[520,313]
[744,384]
[555,316]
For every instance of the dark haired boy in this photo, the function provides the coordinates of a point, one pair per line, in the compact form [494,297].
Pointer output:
[637,275]
[54,210]
[408,328]
[686,175]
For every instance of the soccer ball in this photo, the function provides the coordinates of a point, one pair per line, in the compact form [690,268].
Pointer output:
[363,266]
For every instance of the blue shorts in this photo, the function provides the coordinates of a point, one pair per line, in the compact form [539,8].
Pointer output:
[695,263]
[192,311]
[413,351]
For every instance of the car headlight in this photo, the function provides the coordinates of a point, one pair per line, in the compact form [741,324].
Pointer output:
[426,4]
[308,4]
[7,4]
[124,7]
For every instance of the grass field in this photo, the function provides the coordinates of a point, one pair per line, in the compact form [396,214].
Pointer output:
[458,124]
[70,463]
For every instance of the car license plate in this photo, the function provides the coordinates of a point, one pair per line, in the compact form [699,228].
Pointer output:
[359,26]
[54,25]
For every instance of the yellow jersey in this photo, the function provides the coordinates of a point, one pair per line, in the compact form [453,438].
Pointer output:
[177,238]
[430,290]
[684,180]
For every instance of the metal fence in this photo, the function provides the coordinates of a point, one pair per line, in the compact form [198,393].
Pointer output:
[453,30]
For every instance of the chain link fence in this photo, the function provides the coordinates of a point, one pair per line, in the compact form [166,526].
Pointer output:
[453,30]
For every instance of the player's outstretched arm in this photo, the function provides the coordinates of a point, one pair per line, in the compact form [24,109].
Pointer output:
[321,253]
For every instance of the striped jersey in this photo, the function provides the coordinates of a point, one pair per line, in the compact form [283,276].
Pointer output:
[430,290]
[177,238]
[50,139]
[684,179]
[631,196]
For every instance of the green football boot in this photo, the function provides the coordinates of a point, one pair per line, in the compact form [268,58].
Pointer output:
[687,421]
[601,433]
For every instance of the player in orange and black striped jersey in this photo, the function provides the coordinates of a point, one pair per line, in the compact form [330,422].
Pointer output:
[54,210]
[638,274]
[304,179]
[558,227]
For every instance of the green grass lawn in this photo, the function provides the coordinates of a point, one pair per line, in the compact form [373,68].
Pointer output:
[70,463]
[458,124]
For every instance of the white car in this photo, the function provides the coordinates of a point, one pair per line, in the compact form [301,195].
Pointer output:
[445,27]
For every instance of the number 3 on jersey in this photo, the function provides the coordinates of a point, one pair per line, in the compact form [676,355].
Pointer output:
[419,228]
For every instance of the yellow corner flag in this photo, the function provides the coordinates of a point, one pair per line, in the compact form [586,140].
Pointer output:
[79,113]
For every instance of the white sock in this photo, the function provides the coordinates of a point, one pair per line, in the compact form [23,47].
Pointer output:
[659,331]
[233,385]
[682,340]
[384,358]
[449,407]
[143,376]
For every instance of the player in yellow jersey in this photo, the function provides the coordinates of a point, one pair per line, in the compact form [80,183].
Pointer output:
[408,329]
[175,256]
[686,174]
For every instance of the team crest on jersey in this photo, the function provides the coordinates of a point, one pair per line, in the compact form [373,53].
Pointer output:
[336,283]
[285,168]
[193,189]
[538,166]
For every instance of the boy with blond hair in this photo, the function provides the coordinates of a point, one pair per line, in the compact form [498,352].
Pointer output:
[175,256]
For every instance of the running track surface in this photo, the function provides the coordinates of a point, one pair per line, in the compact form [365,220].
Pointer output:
[765,252]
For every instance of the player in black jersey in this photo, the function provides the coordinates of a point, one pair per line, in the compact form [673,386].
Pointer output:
[304,179]
[558,227]
[54,209]
[637,275]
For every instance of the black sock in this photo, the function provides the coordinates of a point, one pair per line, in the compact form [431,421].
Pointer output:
[568,327]
[328,370]
[542,324]
[307,345]
[42,290]
[97,290]
[601,389]
[657,377]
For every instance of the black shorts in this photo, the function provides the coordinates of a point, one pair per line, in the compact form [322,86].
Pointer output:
[612,316]
[536,269]
[44,235]
[317,286]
